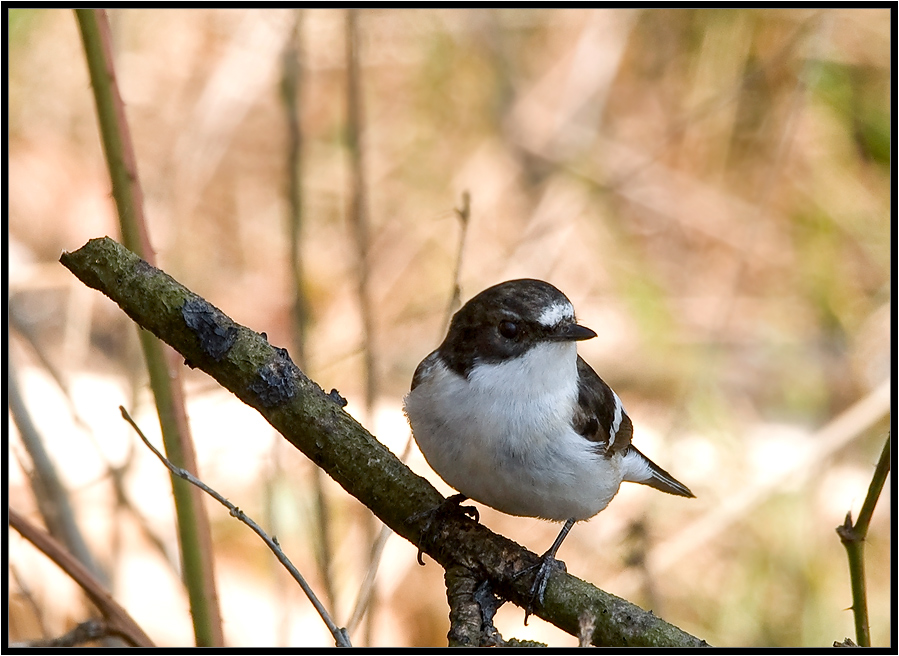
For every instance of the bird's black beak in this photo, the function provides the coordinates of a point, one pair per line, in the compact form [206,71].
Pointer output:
[571,332]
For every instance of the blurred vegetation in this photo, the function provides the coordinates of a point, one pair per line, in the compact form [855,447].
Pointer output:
[710,187]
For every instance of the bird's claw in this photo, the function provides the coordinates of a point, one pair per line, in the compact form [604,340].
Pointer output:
[537,592]
[447,507]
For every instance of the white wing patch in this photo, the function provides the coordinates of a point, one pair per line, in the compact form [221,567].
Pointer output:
[616,420]
[555,313]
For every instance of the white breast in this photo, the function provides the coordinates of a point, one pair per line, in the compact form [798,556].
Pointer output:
[503,436]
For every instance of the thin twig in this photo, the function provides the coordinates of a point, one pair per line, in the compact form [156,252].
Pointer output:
[836,434]
[125,626]
[18,326]
[163,364]
[750,232]
[25,591]
[115,132]
[89,631]
[662,555]
[368,583]
[358,204]
[340,635]
[359,221]
[366,590]
[729,95]
[114,473]
[291,93]
[464,214]
[874,490]
[52,496]
[853,538]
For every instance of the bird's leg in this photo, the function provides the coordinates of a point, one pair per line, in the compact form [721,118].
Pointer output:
[447,507]
[544,568]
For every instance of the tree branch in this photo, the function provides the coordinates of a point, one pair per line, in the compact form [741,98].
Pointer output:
[265,378]
[120,621]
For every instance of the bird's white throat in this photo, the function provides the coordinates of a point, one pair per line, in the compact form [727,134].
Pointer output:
[527,393]
[546,369]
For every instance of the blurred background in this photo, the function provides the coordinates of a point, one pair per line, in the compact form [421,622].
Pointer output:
[711,189]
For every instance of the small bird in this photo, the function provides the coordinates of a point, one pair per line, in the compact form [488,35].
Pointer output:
[508,414]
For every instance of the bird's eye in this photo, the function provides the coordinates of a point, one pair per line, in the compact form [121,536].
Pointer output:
[508,329]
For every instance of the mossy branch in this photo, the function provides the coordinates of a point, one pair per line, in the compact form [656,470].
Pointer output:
[264,377]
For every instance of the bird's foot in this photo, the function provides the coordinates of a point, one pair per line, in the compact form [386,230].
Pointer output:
[435,515]
[544,568]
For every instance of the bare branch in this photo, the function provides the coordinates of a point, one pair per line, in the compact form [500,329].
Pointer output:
[853,538]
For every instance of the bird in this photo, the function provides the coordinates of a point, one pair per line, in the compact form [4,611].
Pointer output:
[507,413]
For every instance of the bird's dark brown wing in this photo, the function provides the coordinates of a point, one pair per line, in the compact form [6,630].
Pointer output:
[595,418]
[597,410]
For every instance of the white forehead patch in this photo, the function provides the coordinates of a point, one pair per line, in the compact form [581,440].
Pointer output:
[555,313]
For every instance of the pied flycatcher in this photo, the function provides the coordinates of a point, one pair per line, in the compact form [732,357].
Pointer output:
[508,414]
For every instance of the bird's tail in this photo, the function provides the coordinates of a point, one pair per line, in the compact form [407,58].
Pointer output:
[640,469]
